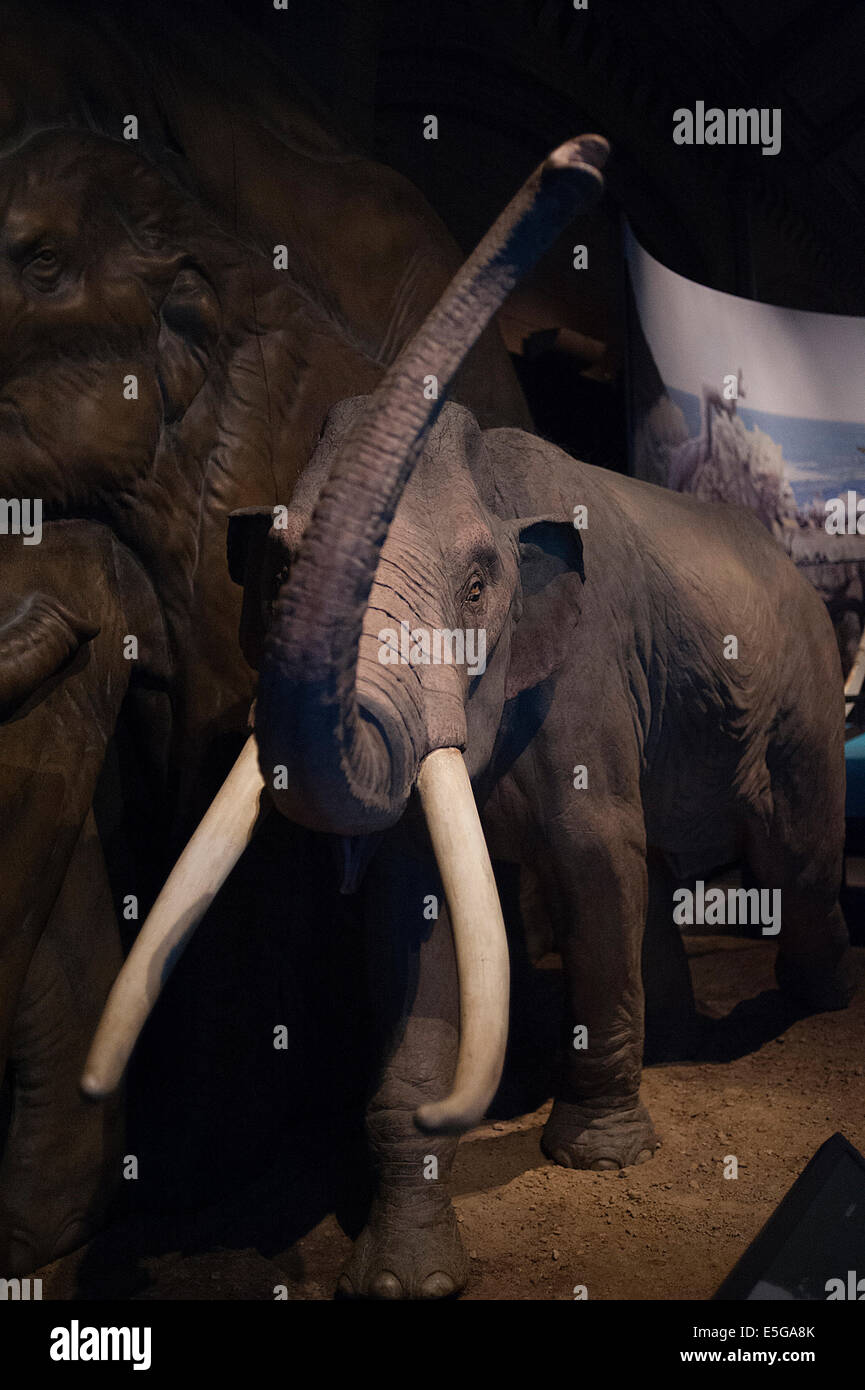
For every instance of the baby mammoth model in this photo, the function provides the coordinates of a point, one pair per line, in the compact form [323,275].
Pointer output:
[631,686]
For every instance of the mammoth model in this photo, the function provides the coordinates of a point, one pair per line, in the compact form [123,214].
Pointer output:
[607,648]
[68,604]
[143,339]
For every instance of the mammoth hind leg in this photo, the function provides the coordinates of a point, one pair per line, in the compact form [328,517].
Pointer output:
[798,870]
[796,858]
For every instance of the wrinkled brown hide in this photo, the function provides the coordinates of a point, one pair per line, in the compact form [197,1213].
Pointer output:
[69,605]
[154,259]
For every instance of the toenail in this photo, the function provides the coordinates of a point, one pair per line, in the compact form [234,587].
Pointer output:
[604,1165]
[437,1285]
[385,1285]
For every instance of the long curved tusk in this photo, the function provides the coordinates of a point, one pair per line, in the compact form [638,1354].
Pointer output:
[479,938]
[189,890]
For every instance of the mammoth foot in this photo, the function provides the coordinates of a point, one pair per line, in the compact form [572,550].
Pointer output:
[24,1250]
[818,983]
[406,1254]
[583,1137]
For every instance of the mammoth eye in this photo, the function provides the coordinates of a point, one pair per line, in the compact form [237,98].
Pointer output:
[475,590]
[43,266]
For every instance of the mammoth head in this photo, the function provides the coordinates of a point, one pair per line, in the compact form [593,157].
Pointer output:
[108,320]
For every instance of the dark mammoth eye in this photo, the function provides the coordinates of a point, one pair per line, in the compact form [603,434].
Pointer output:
[43,267]
[475,590]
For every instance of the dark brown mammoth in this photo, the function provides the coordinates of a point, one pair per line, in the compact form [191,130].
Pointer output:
[69,608]
[158,370]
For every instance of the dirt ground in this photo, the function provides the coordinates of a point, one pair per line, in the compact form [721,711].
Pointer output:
[765,1090]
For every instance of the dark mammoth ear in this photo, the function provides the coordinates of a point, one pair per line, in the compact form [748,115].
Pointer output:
[551,579]
[190,324]
[37,642]
[248,530]
[261,542]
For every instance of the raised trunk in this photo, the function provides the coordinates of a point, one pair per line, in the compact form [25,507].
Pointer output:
[349,769]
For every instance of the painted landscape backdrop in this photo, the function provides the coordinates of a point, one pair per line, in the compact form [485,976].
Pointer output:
[790,435]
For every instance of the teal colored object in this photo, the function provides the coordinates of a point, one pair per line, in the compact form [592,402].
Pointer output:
[854,757]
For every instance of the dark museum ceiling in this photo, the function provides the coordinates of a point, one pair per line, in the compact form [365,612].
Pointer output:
[509,80]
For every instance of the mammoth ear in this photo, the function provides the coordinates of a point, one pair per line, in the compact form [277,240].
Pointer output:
[40,640]
[190,324]
[258,557]
[248,530]
[551,578]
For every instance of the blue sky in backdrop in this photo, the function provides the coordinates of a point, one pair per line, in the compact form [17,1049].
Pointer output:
[821,458]
[803,373]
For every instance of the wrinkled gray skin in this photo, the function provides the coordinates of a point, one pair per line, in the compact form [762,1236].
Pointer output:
[66,606]
[605,648]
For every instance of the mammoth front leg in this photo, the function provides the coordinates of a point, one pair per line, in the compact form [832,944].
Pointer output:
[600,888]
[410,1246]
[62,1155]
